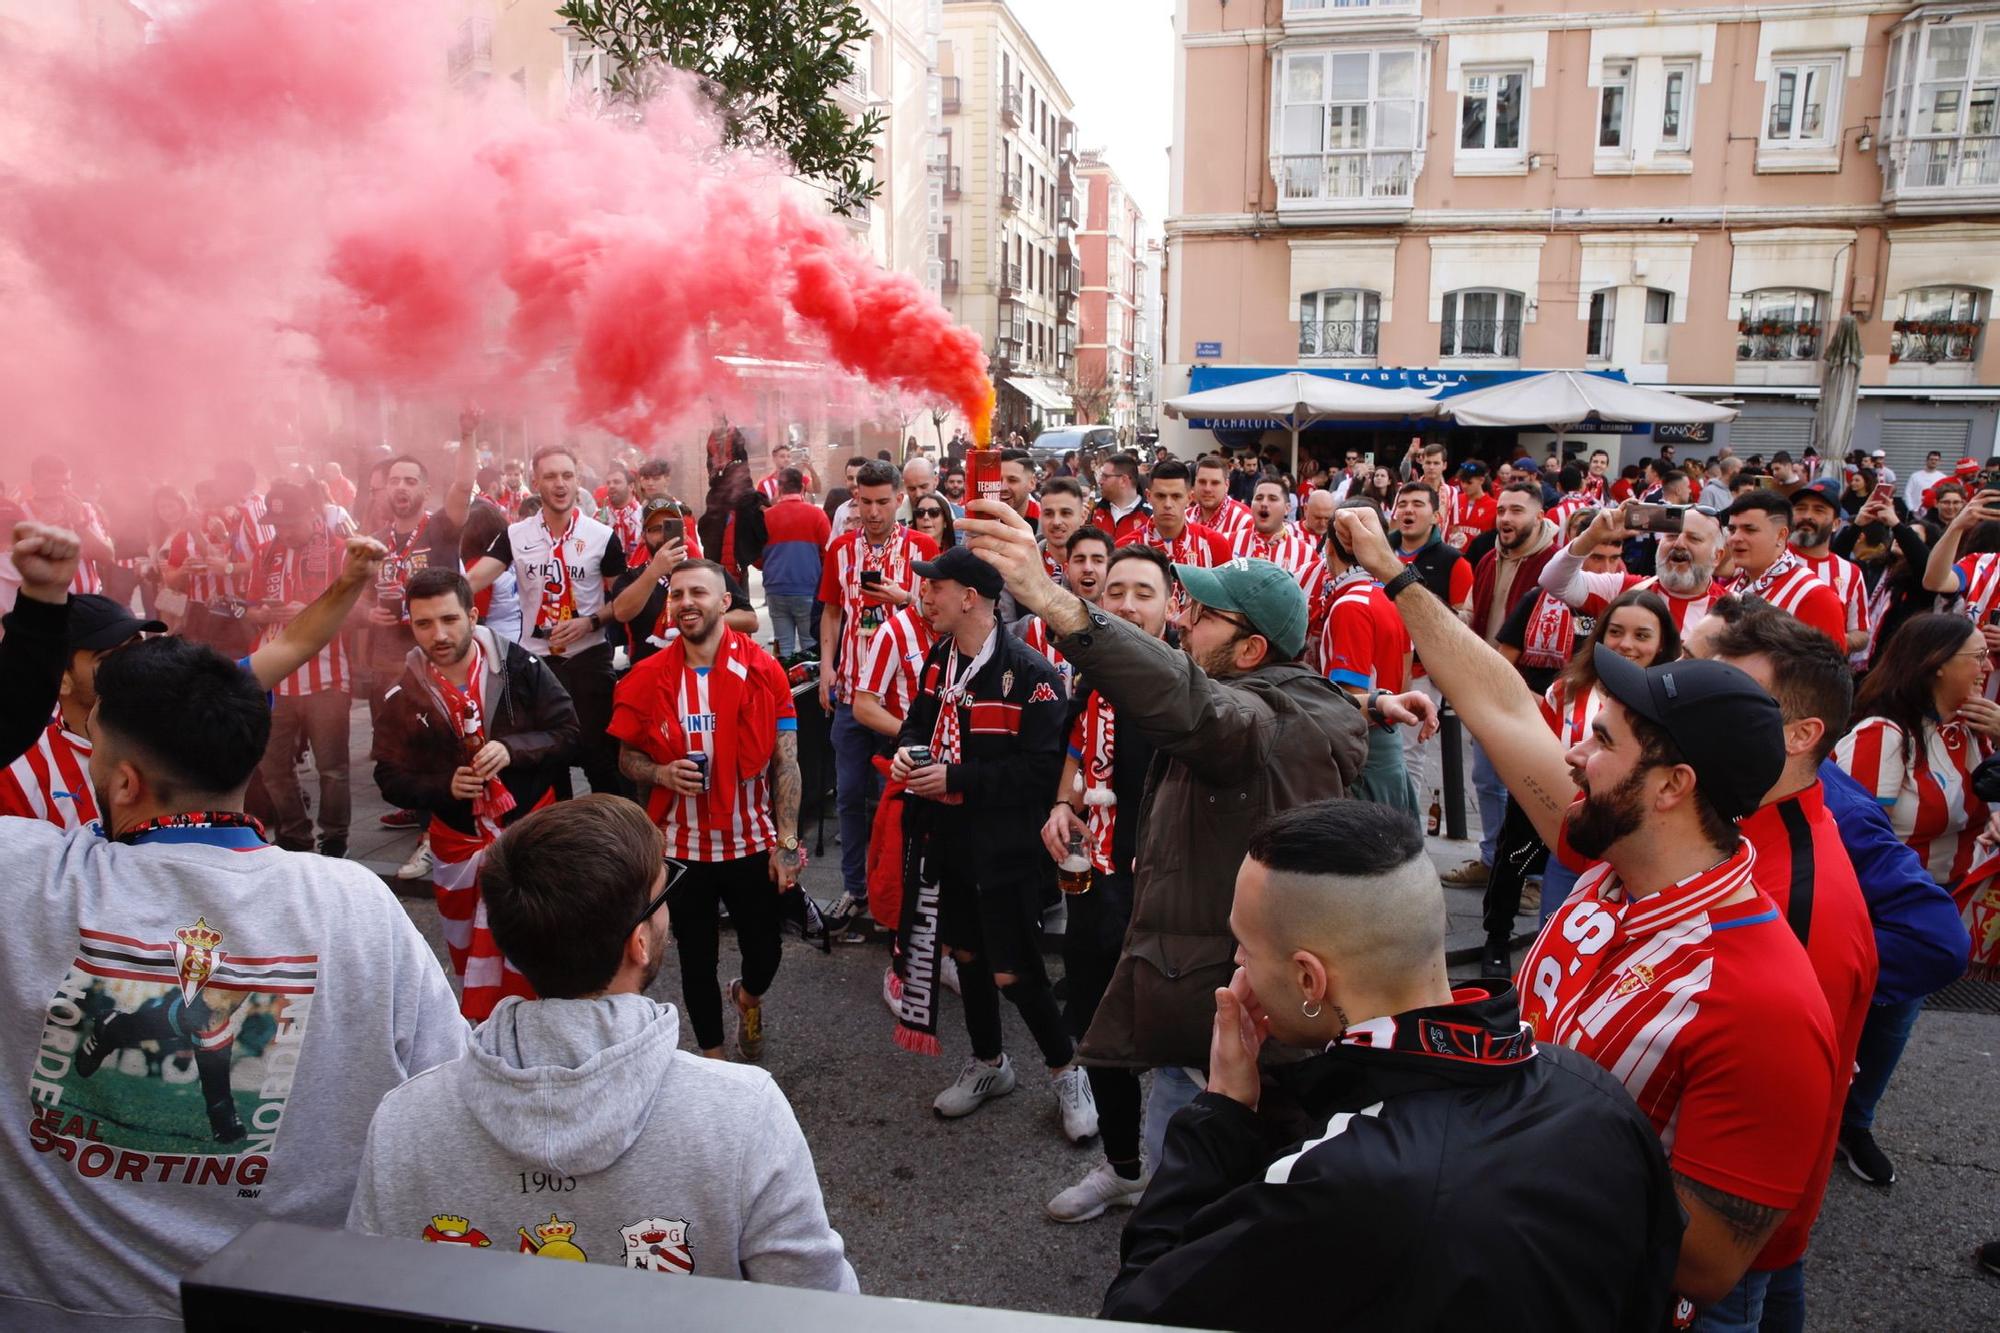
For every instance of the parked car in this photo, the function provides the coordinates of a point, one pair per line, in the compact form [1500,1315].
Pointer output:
[1088,442]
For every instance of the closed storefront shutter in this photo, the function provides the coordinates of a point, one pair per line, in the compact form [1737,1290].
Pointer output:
[1907,439]
[1766,435]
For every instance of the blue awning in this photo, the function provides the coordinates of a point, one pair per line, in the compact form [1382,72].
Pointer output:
[1446,382]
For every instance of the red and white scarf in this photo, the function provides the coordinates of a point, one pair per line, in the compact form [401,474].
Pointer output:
[1099,732]
[947,740]
[494,800]
[559,591]
[1761,587]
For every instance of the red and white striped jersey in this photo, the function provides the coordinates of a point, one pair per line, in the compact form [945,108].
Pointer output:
[1572,503]
[692,831]
[1930,803]
[1791,586]
[768,488]
[1197,545]
[52,780]
[1600,590]
[1706,1010]
[1233,519]
[88,577]
[1844,577]
[1979,584]
[895,659]
[216,544]
[850,556]
[1569,718]
[300,574]
[485,975]
[1363,645]
[624,520]
[1288,549]
[256,532]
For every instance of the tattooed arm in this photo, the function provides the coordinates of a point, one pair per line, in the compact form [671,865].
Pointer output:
[641,770]
[785,784]
[1724,1234]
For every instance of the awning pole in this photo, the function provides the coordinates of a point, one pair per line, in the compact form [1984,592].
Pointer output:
[1295,447]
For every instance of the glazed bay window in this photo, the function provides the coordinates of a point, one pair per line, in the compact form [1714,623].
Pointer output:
[1492,118]
[1939,324]
[1481,322]
[1343,322]
[1941,109]
[1780,324]
[1348,126]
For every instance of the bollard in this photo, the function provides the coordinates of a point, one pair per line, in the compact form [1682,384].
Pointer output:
[1450,738]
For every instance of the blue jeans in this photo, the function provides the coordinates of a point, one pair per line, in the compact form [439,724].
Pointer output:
[1172,1089]
[1492,801]
[858,787]
[1883,1037]
[791,623]
[1741,1311]
[1557,880]
[1785,1300]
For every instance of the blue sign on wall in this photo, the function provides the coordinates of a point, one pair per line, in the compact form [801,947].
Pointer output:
[1208,349]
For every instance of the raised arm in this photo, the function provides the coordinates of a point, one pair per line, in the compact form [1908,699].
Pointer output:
[464,471]
[1939,574]
[1488,694]
[33,651]
[313,628]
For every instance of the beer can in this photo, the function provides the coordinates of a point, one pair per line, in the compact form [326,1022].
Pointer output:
[700,761]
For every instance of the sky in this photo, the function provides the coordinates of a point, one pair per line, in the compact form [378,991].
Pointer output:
[1116,60]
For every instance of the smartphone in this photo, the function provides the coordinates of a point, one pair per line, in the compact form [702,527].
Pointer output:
[1884,490]
[1655,518]
[687,532]
[982,476]
[871,577]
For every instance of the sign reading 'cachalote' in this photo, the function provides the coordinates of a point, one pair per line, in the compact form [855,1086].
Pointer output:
[1208,349]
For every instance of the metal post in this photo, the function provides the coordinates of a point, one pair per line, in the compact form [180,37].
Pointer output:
[1450,737]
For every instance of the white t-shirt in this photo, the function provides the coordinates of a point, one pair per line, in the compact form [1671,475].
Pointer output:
[198,1029]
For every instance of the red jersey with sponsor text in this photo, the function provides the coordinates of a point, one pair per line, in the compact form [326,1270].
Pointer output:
[51,781]
[847,559]
[1709,1014]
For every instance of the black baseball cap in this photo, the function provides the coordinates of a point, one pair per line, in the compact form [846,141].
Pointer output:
[1826,488]
[97,623]
[958,565]
[1727,728]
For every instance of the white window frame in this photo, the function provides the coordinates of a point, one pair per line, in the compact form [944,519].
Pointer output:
[1687,71]
[1811,311]
[1488,153]
[1601,325]
[1452,325]
[1831,68]
[1367,303]
[1353,155]
[1962,159]
[1617,75]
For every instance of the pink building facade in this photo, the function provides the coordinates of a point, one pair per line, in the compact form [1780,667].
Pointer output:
[1109,246]
[1690,195]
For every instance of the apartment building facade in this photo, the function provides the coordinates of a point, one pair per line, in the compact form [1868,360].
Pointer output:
[1447,192]
[1110,248]
[1008,244]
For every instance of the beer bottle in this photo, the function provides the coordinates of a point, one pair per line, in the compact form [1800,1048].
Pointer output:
[1437,812]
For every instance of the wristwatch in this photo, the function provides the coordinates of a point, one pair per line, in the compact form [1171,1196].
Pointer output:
[788,844]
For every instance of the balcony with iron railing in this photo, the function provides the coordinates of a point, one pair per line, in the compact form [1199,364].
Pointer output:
[1010,190]
[471,50]
[1466,338]
[1339,337]
[1009,279]
[1358,179]
[949,280]
[1935,341]
[1778,339]
[1010,107]
[948,94]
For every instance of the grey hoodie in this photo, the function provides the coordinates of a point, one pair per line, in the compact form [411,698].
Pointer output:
[577,1129]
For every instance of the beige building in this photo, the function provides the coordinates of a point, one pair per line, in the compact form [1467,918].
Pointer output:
[1007,160]
[1692,196]
[1108,334]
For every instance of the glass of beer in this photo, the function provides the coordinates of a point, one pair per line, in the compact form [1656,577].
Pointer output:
[1073,871]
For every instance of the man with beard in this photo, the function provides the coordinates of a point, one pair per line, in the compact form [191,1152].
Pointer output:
[1506,574]
[1666,965]
[418,538]
[952,486]
[1213,508]
[476,733]
[1104,775]
[707,729]
[576,895]
[1017,472]
[621,509]
[1815,514]
[1169,529]
[1685,577]
[1759,525]
[1242,728]
[639,598]
[1064,508]
[1120,508]
[976,758]
[1314,515]
[564,562]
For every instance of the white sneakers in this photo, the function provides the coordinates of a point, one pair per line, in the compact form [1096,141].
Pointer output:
[1100,1189]
[977,1083]
[419,864]
[1078,1107]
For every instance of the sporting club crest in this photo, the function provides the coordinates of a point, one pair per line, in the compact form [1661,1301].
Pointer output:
[658,1245]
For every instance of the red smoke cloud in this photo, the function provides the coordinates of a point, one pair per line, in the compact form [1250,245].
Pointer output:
[199,233]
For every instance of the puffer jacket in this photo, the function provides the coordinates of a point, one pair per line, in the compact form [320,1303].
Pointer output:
[1229,753]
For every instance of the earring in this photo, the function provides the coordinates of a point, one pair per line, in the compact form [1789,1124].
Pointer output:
[1310,1009]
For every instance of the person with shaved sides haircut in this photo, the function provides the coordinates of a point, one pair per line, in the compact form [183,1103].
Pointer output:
[1422,1117]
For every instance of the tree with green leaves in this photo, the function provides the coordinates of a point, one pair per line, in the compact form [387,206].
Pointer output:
[768,67]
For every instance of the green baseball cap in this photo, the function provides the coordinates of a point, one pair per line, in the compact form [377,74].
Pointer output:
[1269,597]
